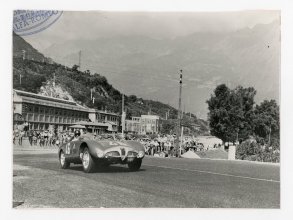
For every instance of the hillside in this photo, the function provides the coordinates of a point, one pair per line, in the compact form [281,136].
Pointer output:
[71,84]
[22,48]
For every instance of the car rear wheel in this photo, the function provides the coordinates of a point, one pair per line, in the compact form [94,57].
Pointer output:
[135,165]
[63,162]
[88,163]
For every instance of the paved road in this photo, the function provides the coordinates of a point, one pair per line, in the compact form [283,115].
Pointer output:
[162,182]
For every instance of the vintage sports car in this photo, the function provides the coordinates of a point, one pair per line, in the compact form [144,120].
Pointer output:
[94,154]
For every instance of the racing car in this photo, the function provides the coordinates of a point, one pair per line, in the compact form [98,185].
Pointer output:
[93,154]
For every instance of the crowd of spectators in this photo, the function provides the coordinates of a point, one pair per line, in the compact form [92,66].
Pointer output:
[169,145]
[41,138]
[155,145]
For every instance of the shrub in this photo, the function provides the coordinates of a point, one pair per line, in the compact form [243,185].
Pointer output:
[256,151]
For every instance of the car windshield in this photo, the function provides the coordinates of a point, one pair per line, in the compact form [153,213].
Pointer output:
[109,137]
[90,136]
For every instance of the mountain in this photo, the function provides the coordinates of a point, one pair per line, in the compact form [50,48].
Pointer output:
[149,67]
[23,49]
[53,79]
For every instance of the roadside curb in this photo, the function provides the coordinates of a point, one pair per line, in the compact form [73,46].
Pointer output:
[215,159]
[34,150]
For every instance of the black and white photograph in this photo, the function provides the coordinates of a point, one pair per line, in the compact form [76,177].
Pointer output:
[147,110]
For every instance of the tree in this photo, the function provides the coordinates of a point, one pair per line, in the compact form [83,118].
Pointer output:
[266,120]
[87,72]
[245,104]
[169,126]
[75,68]
[230,112]
[132,98]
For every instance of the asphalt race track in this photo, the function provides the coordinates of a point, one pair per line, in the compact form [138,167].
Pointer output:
[38,182]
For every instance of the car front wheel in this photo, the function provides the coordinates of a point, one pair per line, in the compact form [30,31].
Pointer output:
[63,163]
[88,163]
[135,165]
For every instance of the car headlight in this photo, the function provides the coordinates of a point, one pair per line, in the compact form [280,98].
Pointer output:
[100,153]
[140,154]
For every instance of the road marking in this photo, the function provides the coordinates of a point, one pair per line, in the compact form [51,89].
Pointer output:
[214,173]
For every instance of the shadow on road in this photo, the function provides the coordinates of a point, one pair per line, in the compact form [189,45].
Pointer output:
[110,169]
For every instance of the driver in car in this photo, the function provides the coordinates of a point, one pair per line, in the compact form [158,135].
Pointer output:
[76,135]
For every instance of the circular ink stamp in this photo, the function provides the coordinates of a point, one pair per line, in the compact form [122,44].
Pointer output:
[27,22]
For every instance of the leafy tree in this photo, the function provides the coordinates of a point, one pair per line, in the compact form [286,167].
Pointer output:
[169,126]
[115,94]
[87,72]
[75,67]
[132,98]
[230,112]
[266,119]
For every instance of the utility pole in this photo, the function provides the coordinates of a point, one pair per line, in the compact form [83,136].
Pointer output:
[122,103]
[23,54]
[180,129]
[179,105]
[167,114]
[123,117]
[181,142]
[20,78]
[91,93]
[79,60]
[54,80]
[188,104]
[182,114]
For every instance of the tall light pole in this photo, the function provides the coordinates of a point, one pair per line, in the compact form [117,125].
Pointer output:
[123,117]
[180,130]
[23,54]
[179,105]
[54,80]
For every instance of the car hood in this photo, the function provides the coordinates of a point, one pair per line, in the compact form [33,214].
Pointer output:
[106,144]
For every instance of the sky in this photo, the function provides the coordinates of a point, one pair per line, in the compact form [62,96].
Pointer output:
[160,25]
[82,26]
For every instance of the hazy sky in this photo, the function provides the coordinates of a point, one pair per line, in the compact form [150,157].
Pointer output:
[80,26]
[95,24]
